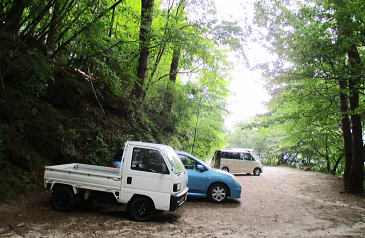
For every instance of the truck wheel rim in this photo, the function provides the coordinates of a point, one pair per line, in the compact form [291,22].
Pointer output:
[142,209]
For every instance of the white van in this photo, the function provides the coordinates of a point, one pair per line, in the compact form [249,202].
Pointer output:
[238,160]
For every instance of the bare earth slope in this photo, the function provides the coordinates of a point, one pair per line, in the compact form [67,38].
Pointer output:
[282,202]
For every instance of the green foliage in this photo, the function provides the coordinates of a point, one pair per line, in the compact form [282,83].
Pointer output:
[72,65]
[311,59]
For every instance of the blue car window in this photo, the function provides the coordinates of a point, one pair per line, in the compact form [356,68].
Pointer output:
[188,163]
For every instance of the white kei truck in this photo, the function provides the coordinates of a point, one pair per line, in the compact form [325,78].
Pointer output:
[151,178]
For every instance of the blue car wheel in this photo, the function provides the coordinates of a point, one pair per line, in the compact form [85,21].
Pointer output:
[218,192]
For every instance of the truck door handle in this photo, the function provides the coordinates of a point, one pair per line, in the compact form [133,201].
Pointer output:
[129,180]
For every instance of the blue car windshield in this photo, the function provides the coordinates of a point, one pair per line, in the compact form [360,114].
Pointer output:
[175,161]
[198,160]
[203,163]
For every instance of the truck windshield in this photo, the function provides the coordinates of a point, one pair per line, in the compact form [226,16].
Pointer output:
[175,161]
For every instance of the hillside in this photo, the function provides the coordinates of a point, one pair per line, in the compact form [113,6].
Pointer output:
[73,120]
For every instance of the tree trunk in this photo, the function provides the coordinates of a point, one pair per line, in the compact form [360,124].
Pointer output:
[10,25]
[337,162]
[112,23]
[346,40]
[356,172]
[52,32]
[174,64]
[217,159]
[144,37]
[346,131]
[168,97]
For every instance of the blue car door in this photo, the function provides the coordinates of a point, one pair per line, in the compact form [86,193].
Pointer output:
[197,179]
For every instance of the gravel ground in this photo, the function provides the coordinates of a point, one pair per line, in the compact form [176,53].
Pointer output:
[282,202]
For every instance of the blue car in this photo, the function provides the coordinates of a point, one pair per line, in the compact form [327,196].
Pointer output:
[205,181]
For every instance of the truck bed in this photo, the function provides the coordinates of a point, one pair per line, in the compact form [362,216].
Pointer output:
[84,176]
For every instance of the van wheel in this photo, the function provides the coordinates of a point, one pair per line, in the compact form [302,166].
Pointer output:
[225,169]
[63,198]
[257,172]
[141,209]
[218,192]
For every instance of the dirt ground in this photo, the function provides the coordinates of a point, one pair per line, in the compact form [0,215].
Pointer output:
[282,202]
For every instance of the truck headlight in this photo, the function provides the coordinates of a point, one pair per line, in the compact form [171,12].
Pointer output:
[176,187]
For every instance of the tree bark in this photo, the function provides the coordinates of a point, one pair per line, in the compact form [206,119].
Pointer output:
[217,159]
[174,67]
[356,176]
[112,23]
[346,131]
[168,97]
[337,162]
[144,37]
[52,32]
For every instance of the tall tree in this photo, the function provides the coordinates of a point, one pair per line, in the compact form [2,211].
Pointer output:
[144,38]
[343,15]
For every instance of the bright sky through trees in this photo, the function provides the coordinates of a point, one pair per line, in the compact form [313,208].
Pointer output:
[248,95]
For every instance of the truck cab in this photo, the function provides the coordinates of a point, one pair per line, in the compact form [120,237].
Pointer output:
[152,177]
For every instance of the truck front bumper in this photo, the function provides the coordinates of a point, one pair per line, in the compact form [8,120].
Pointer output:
[178,199]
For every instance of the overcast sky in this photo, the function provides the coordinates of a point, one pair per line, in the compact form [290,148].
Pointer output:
[248,95]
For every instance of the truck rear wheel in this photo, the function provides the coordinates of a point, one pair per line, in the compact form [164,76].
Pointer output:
[141,209]
[63,198]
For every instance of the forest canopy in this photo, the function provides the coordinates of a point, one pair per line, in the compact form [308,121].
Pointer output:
[90,75]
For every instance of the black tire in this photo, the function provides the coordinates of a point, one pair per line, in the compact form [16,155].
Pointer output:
[63,198]
[257,171]
[141,209]
[225,169]
[218,192]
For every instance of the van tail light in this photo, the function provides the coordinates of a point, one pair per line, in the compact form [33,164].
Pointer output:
[113,166]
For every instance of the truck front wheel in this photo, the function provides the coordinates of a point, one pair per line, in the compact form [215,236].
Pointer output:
[141,209]
[63,198]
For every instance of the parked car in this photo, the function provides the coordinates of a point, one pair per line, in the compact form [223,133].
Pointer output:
[205,181]
[152,178]
[237,160]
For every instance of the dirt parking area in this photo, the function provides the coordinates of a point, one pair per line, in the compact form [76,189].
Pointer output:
[282,202]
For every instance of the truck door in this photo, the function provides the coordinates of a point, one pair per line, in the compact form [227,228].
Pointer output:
[147,172]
